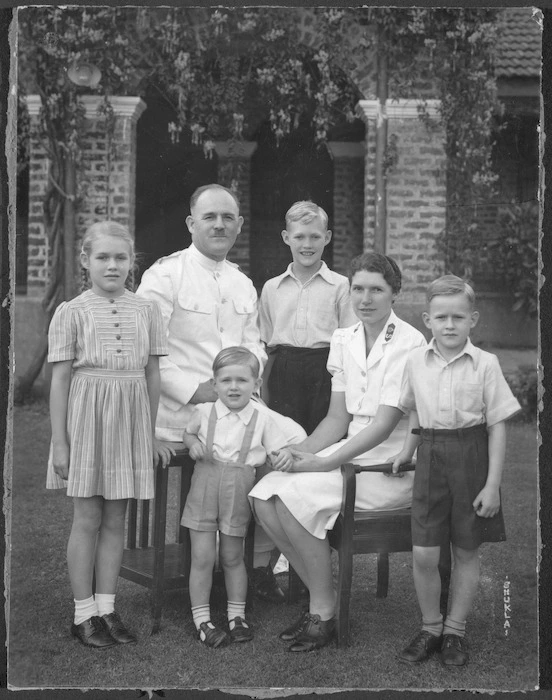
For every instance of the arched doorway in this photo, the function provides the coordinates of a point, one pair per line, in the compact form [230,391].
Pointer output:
[281,174]
[166,175]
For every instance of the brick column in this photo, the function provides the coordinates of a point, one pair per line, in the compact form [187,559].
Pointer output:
[416,191]
[348,202]
[230,153]
[106,178]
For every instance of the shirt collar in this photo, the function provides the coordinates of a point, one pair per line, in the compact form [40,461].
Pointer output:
[324,272]
[204,261]
[468,349]
[244,415]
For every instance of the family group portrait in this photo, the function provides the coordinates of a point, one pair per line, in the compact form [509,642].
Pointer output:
[276,389]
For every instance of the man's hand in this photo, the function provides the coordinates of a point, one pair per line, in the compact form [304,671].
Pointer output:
[60,460]
[204,393]
[162,452]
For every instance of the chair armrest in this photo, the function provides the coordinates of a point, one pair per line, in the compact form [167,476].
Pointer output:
[349,472]
[384,468]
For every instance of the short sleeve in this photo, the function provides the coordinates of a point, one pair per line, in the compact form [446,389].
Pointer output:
[407,401]
[194,423]
[158,336]
[392,384]
[62,334]
[335,362]
[273,437]
[500,403]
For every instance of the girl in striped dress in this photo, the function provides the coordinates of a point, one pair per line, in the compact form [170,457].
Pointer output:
[104,347]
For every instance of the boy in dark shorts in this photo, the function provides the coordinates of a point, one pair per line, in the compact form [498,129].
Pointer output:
[458,395]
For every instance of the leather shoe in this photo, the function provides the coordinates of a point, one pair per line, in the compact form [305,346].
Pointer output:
[240,633]
[293,631]
[316,633]
[454,650]
[93,633]
[265,585]
[214,636]
[117,630]
[421,647]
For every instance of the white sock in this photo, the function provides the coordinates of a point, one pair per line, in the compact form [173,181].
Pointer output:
[236,610]
[105,603]
[85,609]
[202,613]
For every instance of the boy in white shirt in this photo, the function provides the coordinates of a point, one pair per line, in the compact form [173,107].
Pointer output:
[299,311]
[228,439]
[459,396]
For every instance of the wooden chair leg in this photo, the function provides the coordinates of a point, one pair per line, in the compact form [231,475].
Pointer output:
[294,586]
[383,575]
[344,581]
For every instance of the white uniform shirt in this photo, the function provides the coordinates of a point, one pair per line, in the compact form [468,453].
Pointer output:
[468,390]
[305,315]
[369,382]
[206,306]
[230,429]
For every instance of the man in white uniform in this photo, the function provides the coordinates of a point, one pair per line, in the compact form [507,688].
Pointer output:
[207,304]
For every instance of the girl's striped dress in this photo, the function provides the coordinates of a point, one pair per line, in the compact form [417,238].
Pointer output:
[108,420]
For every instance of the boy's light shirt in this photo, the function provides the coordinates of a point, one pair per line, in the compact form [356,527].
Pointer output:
[305,315]
[230,429]
[467,390]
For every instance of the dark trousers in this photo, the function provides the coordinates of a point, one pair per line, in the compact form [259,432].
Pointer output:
[299,384]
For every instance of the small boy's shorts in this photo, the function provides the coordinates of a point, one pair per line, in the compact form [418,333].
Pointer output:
[451,470]
[218,498]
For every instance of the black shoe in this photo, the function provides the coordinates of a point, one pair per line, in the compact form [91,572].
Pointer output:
[421,647]
[240,633]
[265,586]
[454,650]
[117,630]
[93,633]
[316,633]
[293,631]
[214,636]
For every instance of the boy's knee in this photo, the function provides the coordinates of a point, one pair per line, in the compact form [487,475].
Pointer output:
[426,557]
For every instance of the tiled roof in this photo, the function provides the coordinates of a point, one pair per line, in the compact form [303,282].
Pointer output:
[519,44]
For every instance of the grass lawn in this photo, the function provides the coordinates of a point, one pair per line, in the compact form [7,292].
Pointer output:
[41,653]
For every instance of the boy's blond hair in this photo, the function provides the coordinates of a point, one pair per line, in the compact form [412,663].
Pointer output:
[237,355]
[450,284]
[306,211]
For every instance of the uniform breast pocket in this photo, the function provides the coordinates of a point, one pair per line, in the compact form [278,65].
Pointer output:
[470,397]
[241,311]
[194,318]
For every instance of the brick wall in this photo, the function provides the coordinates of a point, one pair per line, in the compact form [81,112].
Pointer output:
[348,209]
[416,194]
[107,183]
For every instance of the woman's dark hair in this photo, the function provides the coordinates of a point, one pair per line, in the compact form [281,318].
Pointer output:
[375,262]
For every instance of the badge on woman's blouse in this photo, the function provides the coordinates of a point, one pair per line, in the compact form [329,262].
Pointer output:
[389,332]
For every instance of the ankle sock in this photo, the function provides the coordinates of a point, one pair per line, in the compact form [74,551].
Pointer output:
[105,603]
[235,610]
[85,609]
[202,613]
[434,627]
[455,627]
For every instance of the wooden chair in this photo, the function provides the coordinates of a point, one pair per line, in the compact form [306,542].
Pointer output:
[148,559]
[378,532]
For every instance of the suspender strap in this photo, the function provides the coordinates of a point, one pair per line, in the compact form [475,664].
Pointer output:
[247,437]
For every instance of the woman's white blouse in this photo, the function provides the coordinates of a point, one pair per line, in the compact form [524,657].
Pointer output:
[369,382]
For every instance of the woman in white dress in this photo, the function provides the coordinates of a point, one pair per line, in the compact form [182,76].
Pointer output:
[297,508]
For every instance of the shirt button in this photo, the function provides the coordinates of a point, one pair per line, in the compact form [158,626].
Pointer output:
[112,301]
[223,301]
[222,330]
[116,325]
[363,389]
[118,349]
[118,337]
[114,311]
[363,373]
